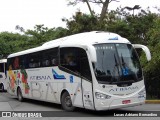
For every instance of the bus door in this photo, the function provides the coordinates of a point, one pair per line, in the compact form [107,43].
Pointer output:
[74,62]
[86,78]
[71,79]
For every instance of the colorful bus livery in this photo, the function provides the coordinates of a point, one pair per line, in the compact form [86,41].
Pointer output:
[92,70]
[3,63]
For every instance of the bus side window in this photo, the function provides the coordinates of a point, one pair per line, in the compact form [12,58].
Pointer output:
[34,60]
[45,62]
[16,63]
[54,57]
[50,57]
[5,69]
[10,64]
[22,62]
[69,59]
[54,61]
[1,67]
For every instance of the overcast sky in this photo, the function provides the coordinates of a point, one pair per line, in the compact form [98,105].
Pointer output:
[28,13]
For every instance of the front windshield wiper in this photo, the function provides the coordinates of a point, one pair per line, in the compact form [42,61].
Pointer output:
[116,66]
[123,63]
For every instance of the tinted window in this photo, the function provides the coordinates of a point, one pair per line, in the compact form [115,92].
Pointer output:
[11,64]
[8,63]
[50,57]
[106,68]
[76,60]
[84,67]
[22,62]
[44,58]
[16,64]
[1,67]
[130,62]
[117,63]
[69,58]
[5,68]
[34,60]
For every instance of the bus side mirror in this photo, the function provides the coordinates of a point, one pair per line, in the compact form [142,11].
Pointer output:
[92,53]
[145,49]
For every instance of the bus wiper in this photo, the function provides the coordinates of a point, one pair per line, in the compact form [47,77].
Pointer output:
[116,66]
[123,63]
[116,61]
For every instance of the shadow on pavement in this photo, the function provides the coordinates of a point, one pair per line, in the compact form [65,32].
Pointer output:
[79,112]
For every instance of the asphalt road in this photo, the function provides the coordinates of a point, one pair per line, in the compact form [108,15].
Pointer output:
[10,103]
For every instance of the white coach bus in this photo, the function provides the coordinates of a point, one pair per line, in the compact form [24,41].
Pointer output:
[92,70]
[3,64]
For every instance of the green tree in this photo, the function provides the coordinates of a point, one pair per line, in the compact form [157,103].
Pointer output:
[82,23]
[11,42]
[41,34]
[152,68]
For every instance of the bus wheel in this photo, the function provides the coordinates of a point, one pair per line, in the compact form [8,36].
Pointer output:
[2,88]
[66,102]
[19,95]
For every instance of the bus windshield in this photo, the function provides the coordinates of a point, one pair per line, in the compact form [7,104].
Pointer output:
[117,63]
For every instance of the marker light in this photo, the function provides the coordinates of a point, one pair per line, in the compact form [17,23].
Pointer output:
[114,38]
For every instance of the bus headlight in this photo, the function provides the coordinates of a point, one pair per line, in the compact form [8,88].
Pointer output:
[102,96]
[142,92]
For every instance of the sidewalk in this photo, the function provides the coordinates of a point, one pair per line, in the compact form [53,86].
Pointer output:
[152,101]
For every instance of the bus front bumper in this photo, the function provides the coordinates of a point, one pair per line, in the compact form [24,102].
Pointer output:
[118,103]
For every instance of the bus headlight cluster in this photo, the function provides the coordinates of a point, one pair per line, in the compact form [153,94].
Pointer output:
[102,96]
[142,92]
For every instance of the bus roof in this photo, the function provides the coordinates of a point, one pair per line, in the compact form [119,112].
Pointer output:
[3,60]
[86,38]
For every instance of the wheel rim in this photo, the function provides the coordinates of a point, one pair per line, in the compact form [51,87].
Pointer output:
[68,101]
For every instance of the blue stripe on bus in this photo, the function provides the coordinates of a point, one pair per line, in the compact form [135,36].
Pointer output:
[56,76]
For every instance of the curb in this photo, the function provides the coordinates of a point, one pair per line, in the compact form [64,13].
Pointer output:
[152,101]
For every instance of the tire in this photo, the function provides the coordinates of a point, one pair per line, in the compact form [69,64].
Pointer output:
[66,102]
[2,88]
[19,95]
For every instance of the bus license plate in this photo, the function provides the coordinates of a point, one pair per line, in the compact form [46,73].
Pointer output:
[126,101]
